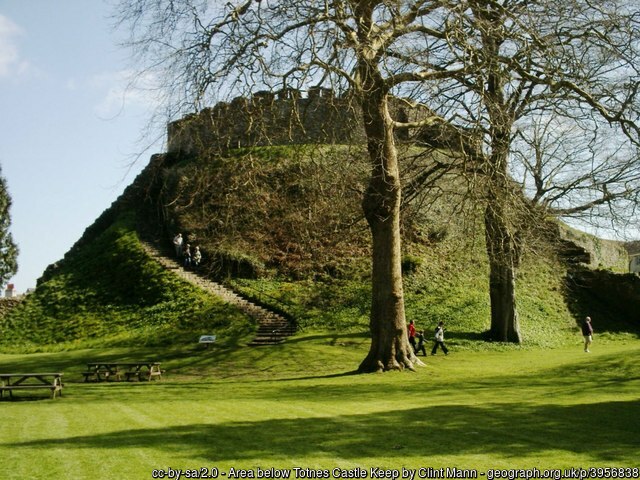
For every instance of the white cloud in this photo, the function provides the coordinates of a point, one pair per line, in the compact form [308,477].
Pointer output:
[11,63]
[9,56]
[124,89]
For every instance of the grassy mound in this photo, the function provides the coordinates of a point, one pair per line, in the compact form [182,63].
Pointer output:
[109,292]
[283,225]
[293,215]
[437,290]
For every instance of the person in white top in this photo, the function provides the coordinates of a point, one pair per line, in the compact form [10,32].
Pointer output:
[177,243]
[439,340]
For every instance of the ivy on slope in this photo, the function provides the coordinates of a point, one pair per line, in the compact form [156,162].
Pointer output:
[109,292]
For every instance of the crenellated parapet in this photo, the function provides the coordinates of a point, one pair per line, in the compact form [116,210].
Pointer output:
[285,117]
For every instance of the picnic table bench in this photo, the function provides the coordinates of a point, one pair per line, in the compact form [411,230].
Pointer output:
[26,381]
[106,371]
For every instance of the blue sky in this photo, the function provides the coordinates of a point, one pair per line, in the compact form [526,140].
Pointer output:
[69,129]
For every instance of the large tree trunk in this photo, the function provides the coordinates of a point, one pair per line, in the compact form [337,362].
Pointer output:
[502,248]
[390,348]
[503,254]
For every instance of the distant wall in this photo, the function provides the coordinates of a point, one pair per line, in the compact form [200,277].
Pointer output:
[612,291]
[607,254]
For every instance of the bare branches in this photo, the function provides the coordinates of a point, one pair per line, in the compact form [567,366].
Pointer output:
[537,99]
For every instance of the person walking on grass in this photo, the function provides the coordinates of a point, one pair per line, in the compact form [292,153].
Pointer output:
[411,332]
[420,347]
[439,340]
[587,333]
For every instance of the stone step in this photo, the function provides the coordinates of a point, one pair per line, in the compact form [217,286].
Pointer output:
[272,328]
[261,341]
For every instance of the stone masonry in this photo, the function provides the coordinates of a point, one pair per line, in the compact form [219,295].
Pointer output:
[287,117]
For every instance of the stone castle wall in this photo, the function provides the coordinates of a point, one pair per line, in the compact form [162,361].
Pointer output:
[284,118]
[600,253]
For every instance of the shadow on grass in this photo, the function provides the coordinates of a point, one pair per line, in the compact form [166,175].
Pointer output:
[509,430]
[470,336]
[350,373]
[331,338]
[72,363]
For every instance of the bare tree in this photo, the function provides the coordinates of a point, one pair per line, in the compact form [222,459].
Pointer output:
[583,171]
[483,68]
[570,65]
[365,49]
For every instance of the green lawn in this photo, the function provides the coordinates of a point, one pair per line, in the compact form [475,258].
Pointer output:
[300,405]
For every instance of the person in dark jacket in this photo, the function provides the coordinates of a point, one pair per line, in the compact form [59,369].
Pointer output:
[186,256]
[587,333]
[420,347]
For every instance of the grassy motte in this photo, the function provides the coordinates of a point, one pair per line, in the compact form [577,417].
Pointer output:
[109,292]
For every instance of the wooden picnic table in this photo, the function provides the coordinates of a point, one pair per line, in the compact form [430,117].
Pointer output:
[105,371]
[25,381]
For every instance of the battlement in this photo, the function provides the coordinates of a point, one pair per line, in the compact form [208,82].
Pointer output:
[286,117]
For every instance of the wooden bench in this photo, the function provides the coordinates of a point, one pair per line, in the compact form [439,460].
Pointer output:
[90,375]
[10,382]
[130,375]
[143,375]
[116,370]
[98,374]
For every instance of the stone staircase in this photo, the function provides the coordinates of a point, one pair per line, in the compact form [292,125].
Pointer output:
[272,327]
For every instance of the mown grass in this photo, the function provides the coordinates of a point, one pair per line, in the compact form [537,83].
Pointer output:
[488,405]
[301,405]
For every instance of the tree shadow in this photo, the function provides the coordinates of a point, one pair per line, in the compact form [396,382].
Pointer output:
[332,338]
[611,299]
[469,336]
[510,430]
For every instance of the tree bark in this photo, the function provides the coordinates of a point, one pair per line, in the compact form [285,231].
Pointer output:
[501,245]
[503,254]
[390,348]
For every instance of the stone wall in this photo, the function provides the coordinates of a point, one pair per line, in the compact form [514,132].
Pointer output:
[287,117]
[611,292]
[599,253]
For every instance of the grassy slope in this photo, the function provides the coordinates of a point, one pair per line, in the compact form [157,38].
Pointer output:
[107,292]
[298,404]
[439,290]
[315,263]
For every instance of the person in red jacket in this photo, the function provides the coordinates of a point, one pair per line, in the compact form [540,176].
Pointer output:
[411,332]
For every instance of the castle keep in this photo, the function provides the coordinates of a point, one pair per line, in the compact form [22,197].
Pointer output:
[287,117]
